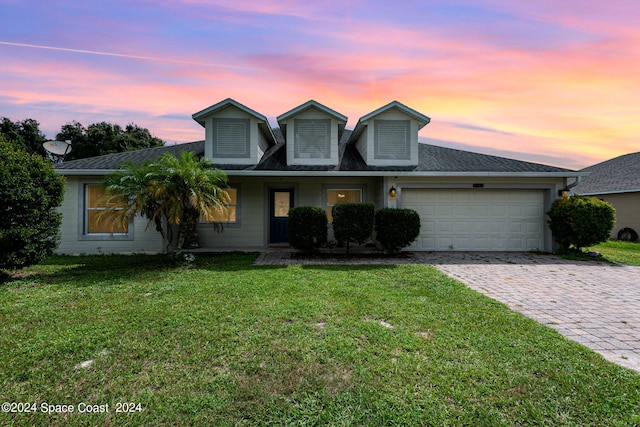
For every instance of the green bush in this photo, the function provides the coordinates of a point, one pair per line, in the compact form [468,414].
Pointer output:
[577,222]
[353,222]
[307,228]
[396,228]
[30,193]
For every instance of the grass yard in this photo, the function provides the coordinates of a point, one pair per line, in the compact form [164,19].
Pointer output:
[619,252]
[221,342]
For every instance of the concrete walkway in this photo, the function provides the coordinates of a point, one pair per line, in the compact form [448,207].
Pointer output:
[591,302]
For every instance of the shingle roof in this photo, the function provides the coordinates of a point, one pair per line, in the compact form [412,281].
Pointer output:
[441,159]
[115,160]
[618,175]
[431,159]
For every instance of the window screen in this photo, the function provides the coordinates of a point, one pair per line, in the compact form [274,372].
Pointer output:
[101,211]
[229,214]
[336,196]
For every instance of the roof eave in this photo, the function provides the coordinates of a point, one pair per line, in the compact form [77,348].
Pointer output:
[600,193]
[86,172]
[405,174]
[102,172]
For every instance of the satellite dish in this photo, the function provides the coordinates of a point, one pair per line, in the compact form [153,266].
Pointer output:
[57,149]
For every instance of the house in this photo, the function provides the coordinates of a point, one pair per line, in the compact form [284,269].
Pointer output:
[616,181]
[466,201]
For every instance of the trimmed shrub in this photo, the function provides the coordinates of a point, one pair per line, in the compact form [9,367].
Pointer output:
[307,228]
[30,194]
[353,222]
[396,228]
[577,222]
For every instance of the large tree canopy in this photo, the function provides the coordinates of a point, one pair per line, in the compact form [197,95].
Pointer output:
[105,138]
[30,193]
[23,134]
[172,193]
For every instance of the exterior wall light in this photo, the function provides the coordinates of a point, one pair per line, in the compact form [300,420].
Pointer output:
[393,192]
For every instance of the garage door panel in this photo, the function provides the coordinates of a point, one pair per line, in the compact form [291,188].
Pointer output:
[464,226]
[534,227]
[484,220]
[445,226]
[481,227]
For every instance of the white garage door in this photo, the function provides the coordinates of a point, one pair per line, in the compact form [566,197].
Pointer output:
[478,219]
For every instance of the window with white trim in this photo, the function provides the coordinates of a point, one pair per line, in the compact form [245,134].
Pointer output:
[230,214]
[101,211]
[336,196]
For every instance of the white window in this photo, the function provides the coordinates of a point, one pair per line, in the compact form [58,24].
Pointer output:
[101,210]
[230,214]
[392,139]
[231,138]
[312,138]
[336,196]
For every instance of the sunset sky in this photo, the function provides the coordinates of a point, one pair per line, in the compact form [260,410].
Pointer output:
[548,81]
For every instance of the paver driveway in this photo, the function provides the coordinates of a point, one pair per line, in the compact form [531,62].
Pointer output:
[591,302]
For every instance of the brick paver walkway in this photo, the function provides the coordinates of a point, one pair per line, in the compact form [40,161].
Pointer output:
[593,303]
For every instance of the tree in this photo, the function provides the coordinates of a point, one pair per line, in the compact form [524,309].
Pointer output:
[30,194]
[24,134]
[105,138]
[172,193]
[577,222]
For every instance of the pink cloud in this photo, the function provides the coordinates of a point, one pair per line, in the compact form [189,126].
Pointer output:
[575,101]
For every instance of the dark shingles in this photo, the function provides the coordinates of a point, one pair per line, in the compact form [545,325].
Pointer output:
[440,159]
[431,159]
[115,160]
[621,174]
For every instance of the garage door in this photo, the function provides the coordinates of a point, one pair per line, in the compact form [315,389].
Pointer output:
[478,219]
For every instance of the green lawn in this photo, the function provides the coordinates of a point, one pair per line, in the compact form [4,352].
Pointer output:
[221,342]
[619,252]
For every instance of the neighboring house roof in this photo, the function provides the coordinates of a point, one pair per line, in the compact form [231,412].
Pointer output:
[618,175]
[433,161]
[263,123]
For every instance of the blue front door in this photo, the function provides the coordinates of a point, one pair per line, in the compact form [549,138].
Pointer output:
[280,201]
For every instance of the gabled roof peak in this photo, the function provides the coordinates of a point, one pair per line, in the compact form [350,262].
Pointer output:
[201,115]
[312,104]
[362,122]
[398,106]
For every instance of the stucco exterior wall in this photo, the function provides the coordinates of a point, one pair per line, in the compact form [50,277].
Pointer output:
[72,240]
[627,206]
[254,205]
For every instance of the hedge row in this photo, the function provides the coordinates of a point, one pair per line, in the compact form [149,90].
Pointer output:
[353,222]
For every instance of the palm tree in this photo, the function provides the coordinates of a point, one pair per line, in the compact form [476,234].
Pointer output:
[172,193]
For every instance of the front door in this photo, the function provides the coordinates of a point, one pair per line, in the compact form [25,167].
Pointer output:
[280,201]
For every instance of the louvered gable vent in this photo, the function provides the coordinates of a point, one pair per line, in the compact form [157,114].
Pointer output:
[392,139]
[313,138]
[231,138]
